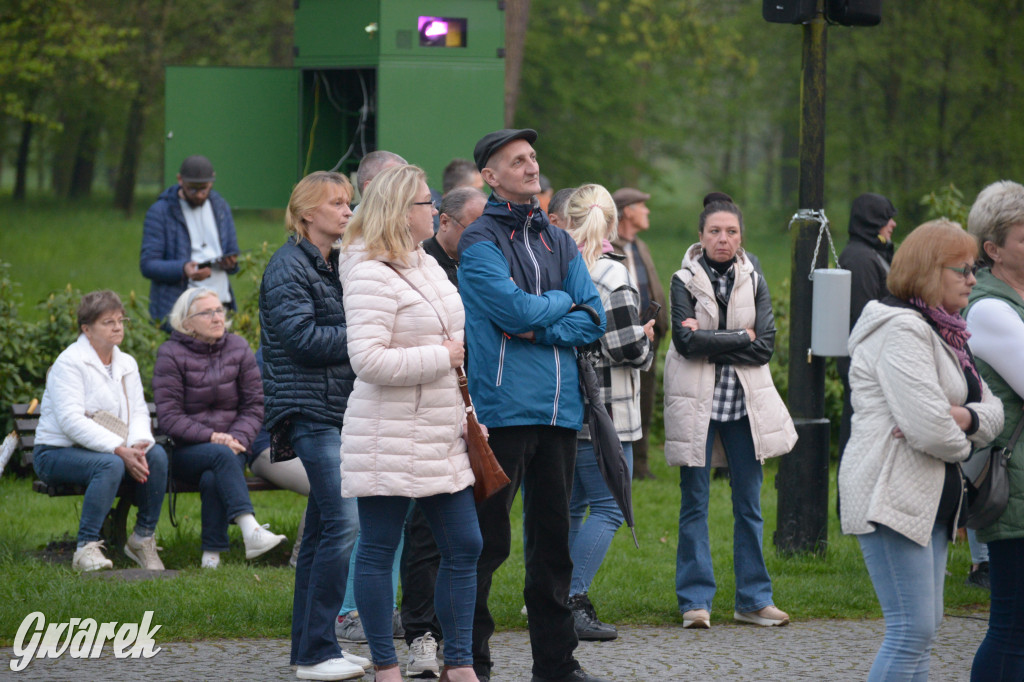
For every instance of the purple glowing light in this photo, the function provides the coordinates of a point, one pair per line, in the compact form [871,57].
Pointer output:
[436,29]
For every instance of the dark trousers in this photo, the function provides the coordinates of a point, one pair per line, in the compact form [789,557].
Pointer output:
[1001,654]
[648,391]
[420,562]
[542,457]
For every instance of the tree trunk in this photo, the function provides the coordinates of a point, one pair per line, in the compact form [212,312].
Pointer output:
[83,169]
[517,16]
[21,163]
[124,189]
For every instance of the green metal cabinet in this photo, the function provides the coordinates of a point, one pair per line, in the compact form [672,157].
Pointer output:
[365,77]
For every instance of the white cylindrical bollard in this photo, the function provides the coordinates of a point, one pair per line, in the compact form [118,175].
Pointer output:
[830,312]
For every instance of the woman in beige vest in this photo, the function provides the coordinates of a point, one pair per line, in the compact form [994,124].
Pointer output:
[719,395]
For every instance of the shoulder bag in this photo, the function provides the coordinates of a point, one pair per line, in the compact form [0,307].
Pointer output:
[988,486]
[490,477]
[111,422]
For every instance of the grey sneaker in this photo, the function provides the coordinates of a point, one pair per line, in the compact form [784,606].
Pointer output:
[398,630]
[143,552]
[423,657]
[349,628]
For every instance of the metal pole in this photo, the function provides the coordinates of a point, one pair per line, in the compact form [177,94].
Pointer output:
[803,478]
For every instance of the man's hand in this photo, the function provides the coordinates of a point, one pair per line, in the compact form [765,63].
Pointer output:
[229,262]
[196,273]
[529,336]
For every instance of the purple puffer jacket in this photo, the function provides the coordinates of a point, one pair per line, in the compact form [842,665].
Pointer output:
[200,388]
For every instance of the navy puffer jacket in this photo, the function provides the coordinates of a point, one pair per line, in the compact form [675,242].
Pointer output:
[201,388]
[305,348]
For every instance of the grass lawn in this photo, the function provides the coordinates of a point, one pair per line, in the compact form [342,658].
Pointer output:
[243,599]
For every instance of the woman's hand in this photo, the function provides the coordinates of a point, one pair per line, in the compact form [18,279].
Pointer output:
[649,330]
[456,352]
[229,440]
[691,324]
[962,416]
[134,462]
[752,334]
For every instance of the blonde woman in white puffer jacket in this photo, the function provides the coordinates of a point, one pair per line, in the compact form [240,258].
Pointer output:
[403,433]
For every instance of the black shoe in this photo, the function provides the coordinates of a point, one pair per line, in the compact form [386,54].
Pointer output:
[584,618]
[979,578]
[578,675]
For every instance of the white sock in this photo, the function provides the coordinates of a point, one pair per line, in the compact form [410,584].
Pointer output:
[247,524]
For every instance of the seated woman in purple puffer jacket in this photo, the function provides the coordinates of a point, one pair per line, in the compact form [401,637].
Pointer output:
[209,400]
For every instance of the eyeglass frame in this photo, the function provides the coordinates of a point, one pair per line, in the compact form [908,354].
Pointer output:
[210,313]
[963,270]
[432,203]
[110,324]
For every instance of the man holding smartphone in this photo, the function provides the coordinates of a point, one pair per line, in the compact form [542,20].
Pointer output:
[188,239]
[633,219]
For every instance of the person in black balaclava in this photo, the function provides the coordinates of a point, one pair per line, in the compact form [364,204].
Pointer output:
[867,256]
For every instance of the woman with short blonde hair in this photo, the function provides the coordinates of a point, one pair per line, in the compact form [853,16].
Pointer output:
[919,405]
[310,193]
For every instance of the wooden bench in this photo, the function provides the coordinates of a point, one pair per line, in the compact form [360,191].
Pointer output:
[114,529]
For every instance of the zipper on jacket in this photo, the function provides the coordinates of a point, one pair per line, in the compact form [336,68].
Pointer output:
[558,384]
[501,358]
[536,265]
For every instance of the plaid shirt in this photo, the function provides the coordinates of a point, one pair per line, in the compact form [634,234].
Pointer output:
[625,349]
[727,404]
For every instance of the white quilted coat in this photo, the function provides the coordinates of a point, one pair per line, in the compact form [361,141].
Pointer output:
[403,425]
[78,384]
[690,384]
[903,374]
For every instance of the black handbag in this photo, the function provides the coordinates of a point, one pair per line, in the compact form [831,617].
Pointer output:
[988,486]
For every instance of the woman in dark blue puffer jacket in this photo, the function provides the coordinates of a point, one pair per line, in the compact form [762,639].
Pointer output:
[307,379]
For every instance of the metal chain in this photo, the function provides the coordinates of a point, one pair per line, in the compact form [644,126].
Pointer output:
[818,216]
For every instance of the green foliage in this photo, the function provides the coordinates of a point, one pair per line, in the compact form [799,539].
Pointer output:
[947,202]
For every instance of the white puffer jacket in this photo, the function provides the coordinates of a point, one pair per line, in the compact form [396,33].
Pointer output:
[690,383]
[78,384]
[903,374]
[403,425]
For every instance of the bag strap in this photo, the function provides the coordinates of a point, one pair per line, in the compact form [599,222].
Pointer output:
[127,407]
[1015,437]
[462,380]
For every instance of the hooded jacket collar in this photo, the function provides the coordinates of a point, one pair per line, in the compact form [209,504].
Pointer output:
[868,215]
[529,215]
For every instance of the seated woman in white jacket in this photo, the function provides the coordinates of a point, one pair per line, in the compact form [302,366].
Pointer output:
[91,377]
[403,432]
[918,406]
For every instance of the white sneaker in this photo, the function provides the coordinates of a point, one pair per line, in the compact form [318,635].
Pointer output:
[261,541]
[143,552]
[331,669]
[697,618]
[767,617]
[423,657]
[363,663]
[91,558]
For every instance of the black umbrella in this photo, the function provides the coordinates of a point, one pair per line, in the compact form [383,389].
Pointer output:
[607,447]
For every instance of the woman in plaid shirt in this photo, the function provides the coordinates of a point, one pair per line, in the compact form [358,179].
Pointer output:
[719,395]
[625,350]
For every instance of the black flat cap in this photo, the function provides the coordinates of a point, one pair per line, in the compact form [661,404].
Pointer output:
[492,142]
[196,169]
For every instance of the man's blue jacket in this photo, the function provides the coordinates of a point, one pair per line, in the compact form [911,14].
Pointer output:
[518,274]
[166,247]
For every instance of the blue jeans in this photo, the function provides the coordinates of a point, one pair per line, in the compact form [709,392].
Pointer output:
[695,577]
[102,473]
[589,540]
[979,550]
[908,580]
[349,604]
[220,474]
[332,523]
[453,521]
[1001,654]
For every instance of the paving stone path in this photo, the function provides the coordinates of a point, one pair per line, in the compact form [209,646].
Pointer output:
[811,650]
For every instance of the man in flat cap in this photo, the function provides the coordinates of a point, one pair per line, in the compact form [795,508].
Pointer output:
[188,240]
[634,219]
[529,301]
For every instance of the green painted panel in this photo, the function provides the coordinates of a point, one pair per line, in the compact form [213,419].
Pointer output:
[326,30]
[432,112]
[245,120]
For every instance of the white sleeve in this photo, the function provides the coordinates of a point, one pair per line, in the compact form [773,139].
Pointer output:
[997,337]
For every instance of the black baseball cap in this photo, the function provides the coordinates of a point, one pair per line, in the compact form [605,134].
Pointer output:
[492,142]
[196,169]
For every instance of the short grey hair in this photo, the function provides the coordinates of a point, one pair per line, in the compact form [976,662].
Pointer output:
[559,200]
[998,208]
[372,164]
[183,306]
[454,203]
[458,173]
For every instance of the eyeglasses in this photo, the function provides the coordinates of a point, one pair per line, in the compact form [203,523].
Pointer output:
[210,314]
[197,188]
[431,203]
[964,270]
[120,322]
[456,220]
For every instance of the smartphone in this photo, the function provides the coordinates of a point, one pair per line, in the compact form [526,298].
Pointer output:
[213,261]
[652,312]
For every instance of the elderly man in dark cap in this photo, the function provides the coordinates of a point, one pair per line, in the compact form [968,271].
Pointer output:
[633,219]
[188,239]
[529,301]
